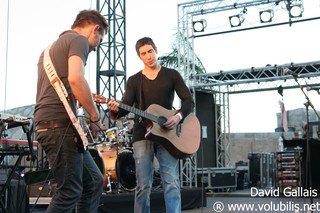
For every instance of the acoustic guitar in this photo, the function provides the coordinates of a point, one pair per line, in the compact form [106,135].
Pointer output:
[181,142]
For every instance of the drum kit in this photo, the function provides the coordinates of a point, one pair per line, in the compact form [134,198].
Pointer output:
[113,155]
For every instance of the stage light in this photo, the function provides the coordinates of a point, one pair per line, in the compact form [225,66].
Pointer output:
[199,26]
[266,16]
[295,10]
[236,20]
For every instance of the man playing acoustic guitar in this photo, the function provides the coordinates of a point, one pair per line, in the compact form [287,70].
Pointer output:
[154,84]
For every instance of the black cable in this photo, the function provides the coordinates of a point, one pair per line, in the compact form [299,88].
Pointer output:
[202,178]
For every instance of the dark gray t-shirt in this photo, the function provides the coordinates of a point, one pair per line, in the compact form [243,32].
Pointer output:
[48,105]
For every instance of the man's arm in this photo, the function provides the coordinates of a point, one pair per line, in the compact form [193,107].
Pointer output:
[80,87]
[184,94]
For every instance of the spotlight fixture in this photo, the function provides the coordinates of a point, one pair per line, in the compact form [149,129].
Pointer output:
[236,20]
[266,16]
[199,26]
[295,10]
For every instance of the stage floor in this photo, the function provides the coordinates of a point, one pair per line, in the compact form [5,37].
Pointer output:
[194,201]
[122,202]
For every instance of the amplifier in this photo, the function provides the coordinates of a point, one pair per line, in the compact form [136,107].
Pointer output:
[45,189]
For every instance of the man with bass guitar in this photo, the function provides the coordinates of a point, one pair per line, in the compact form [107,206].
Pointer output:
[154,85]
[79,180]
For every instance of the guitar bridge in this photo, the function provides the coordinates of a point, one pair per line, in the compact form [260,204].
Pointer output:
[178,130]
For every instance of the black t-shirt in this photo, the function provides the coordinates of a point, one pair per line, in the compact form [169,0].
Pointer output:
[159,91]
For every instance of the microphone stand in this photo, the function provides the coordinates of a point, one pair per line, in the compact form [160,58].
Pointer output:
[308,154]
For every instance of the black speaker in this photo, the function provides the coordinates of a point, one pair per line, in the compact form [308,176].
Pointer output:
[206,112]
[314,164]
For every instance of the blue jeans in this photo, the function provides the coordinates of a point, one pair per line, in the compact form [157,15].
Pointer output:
[79,181]
[144,152]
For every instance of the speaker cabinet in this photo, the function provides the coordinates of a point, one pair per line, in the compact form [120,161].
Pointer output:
[206,113]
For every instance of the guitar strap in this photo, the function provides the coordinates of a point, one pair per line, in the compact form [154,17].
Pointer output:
[142,105]
[63,95]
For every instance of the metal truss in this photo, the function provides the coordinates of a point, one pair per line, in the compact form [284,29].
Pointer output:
[185,36]
[188,177]
[111,54]
[260,79]
[222,122]
[224,83]
[187,60]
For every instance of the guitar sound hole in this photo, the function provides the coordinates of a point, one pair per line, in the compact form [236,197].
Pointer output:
[161,121]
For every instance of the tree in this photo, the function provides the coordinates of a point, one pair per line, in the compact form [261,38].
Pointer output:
[171,60]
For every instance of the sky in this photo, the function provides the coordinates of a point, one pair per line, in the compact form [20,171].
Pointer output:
[30,26]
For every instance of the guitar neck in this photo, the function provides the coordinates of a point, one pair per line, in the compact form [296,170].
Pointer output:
[139,112]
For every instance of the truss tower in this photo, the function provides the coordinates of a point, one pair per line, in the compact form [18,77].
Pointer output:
[111,54]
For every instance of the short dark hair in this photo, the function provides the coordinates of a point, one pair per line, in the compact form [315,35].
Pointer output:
[143,41]
[85,17]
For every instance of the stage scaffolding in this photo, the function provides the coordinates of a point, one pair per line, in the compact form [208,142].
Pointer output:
[223,83]
[111,67]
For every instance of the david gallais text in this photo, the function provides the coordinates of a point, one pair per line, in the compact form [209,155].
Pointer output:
[287,192]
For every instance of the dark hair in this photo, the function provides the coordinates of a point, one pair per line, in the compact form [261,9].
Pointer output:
[86,17]
[143,41]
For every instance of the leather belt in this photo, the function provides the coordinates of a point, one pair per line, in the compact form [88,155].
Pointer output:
[52,124]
